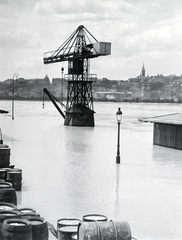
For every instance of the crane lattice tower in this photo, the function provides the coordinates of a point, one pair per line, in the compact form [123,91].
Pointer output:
[78,49]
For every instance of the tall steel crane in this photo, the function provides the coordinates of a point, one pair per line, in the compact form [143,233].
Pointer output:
[78,49]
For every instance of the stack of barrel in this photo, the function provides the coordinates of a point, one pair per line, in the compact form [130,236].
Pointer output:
[8,172]
[92,227]
[23,223]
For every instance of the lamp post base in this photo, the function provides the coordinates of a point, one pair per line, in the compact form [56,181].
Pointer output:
[117,159]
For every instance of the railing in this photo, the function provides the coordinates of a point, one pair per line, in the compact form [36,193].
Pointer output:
[48,54]
[74,77]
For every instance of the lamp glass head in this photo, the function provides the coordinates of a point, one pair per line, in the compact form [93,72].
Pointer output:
[119,115]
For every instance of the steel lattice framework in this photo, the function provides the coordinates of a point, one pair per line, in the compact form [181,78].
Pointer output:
[77,50]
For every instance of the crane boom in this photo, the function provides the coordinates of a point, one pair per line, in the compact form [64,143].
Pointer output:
[73,47]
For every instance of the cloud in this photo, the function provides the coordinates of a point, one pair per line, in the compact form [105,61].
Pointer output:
[29,65]
[12,39]
[138,31]
[4,1]
[102,9]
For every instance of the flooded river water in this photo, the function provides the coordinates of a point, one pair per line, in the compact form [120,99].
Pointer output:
[71,171]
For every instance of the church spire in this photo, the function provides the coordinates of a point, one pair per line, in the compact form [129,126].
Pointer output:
[143,71]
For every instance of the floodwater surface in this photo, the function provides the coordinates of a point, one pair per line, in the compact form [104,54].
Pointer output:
[69,172]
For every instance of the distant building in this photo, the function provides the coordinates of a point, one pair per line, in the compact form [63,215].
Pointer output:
[143,71]
[39,81]
[8,81]
[145,85]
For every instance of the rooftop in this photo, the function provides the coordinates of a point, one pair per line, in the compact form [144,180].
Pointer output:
[174,118]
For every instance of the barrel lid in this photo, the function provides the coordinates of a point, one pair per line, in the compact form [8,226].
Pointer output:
[68,222]
[35,222]
[4,146]
[94,217]
[26,210]
[9,213]
[29,214]
[14,170]
[7,206]
[6,185]
[7,169]
[69,229]
[17,224]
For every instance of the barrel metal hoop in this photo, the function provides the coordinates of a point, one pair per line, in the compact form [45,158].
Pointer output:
[98,230]
[115,229]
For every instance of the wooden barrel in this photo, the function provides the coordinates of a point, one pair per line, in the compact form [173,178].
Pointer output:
[65,233]
[7,206]
[4,156]
[15,177]
[8,195]
[39,228]
[6,214]
[66,227]
[105,230]
[15,228]
[94,217]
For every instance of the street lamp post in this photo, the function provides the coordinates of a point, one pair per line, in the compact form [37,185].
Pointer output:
[118,118]
[15,76]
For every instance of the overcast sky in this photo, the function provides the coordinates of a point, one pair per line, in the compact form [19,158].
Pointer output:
[140,31]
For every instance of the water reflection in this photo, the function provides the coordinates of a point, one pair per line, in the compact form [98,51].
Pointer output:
[117,181]
[162,155]
[19,197]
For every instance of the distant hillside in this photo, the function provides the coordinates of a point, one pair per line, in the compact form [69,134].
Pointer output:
[148,89]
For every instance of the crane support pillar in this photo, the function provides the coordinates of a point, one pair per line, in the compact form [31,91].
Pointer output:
[79,116]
